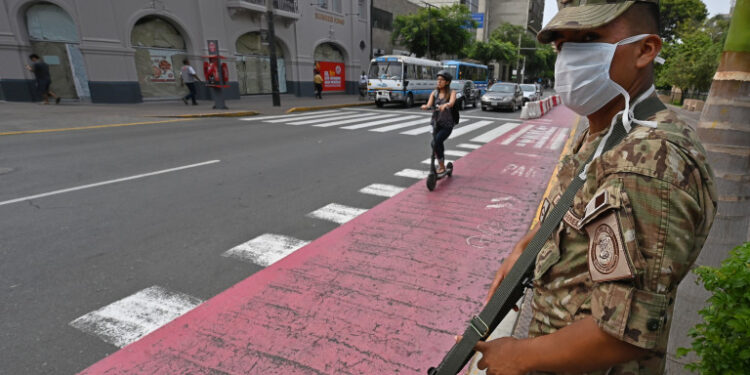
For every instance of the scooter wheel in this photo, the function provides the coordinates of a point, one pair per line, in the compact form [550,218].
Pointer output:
[431,181]
[449,169]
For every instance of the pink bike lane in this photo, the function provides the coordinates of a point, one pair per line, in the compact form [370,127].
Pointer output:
[384,293]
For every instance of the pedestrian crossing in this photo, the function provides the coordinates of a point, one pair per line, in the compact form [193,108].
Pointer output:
[478,129]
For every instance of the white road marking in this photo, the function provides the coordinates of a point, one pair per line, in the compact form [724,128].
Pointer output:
[319,120]
[381,190]
[253,118]
[107,182]
[338,213]
[265,249]
[463,115]
[545,137]
[384,129]
[517,134]
[458,153]
[413,173]
[494,133]
[427,161]
[461,130]
[469,146]
[427,129]
[559,139]
[374,123]
[357,119]
[501,202]
[306,116]
[131,318]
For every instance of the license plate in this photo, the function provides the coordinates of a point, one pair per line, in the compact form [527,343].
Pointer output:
[494,102]
[384,94]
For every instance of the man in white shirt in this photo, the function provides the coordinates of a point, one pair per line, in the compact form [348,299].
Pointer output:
[362,86]
[188,79]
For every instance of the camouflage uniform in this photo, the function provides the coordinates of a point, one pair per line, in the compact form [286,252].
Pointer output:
[635,228]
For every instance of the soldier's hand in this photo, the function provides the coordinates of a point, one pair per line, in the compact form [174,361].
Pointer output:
[501,357]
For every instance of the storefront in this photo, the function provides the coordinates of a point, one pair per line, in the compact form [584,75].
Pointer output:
[254,65]
[54,37]
[329,61]
[159,52]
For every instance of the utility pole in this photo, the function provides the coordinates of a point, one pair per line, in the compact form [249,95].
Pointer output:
[272,50]
[429,26]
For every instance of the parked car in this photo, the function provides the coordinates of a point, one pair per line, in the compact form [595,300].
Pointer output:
[530,92]
[503,95]
[466,93]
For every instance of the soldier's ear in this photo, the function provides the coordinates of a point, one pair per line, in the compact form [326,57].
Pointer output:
[649,49]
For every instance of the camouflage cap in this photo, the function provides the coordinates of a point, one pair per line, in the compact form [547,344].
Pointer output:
[585,14]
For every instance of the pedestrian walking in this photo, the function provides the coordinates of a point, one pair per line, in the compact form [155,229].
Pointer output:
[318,82]
[605,282]
[363,86]
[42,78]
[189,77]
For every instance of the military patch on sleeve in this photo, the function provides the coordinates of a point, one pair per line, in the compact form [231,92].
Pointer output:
[545,209]
[607,258]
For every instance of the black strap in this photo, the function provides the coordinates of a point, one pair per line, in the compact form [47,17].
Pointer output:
[512,287]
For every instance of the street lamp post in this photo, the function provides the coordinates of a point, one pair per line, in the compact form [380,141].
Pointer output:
[272,51]
[429,26]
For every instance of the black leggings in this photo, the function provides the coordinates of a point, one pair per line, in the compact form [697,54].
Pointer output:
[439,135]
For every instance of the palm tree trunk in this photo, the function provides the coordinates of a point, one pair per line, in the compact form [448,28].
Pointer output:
[724,129]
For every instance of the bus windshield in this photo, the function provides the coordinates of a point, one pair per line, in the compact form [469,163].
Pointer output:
[385,70]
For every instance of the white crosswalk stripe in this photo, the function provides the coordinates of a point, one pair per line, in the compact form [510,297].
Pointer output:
[494,133]
[127,320]
[384,129]
[461,130]
[427,129]
[381,190]
[310,116]
[517,134]
[470,146]
[545,137]
[319,120]
[458,153]
[559,139]
[338,213]
[427,161]
[357,119]
[413,173]
[296,115]
[381,122]
[265,249]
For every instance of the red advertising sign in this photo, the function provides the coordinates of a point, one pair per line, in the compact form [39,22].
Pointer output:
[334,75]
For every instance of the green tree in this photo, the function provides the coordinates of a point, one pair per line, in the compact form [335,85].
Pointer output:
[492,50]
[540,58]
[691,61]
[443,30]
[676,14]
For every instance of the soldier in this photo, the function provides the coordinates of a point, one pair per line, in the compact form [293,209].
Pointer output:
[605,281]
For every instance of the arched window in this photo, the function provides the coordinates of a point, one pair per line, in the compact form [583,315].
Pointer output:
[160,50]
[254,65]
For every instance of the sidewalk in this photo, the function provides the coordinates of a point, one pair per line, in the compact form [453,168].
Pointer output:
[384,293]
[24,116]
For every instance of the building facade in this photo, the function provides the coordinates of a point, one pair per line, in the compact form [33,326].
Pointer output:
[384,12]
[132,50]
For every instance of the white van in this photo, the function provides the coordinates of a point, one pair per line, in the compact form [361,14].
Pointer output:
[401,79]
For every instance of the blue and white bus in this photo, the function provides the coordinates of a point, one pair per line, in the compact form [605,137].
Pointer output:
[401,79]
[469,71]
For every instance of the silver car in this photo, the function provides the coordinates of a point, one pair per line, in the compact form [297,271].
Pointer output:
[503,95]
[530,92]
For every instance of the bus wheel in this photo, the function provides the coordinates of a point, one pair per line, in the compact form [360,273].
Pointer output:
[409,102]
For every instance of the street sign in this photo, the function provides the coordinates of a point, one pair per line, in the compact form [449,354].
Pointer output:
[479,19]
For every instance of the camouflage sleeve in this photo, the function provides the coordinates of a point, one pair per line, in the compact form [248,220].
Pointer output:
[657,223]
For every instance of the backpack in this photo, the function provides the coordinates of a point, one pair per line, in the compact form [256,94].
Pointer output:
[454,109]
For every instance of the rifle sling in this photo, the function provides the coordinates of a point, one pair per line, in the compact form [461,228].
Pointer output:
[511,288]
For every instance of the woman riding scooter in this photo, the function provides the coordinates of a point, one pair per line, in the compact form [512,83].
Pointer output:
[442,100]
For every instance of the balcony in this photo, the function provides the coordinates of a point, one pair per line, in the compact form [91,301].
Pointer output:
[282,8]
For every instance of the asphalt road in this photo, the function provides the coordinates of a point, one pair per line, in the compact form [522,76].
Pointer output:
[121,216]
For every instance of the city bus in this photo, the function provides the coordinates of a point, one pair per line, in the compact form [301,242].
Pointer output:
[469,71]
[401,79]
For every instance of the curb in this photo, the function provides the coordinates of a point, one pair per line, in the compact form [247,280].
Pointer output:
[202,115]
[332,106]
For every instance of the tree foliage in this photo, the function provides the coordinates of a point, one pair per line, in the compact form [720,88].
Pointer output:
[493,50]
[692,59]
[722,341]
[675,15]
[540,58]
[444,28]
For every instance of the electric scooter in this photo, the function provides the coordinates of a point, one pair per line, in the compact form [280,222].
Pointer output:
[433,177]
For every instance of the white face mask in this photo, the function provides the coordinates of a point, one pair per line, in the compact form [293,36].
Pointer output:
[582,75]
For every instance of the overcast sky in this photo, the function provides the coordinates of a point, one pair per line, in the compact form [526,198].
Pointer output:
[714,7]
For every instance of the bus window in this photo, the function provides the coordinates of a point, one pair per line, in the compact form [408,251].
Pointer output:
[385,70]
